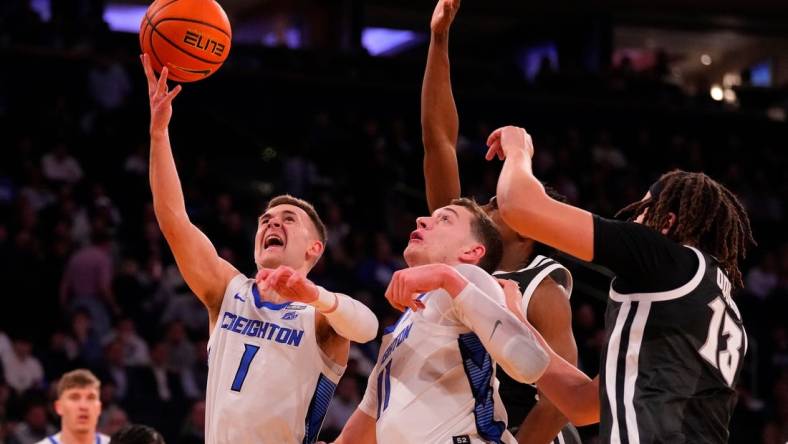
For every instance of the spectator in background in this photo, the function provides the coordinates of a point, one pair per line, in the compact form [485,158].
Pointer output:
[113,419]
[35,426]
[85,337]
[87,281]
[59,166]
[135,349]
[109,84]
[22,370]
[114,369]
[35,192]
[156,393]
[194,429]
[195,377]
[181,350]
[61,355]
[762,278]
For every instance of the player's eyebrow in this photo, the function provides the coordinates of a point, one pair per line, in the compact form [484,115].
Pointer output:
[267,215]
[456,214]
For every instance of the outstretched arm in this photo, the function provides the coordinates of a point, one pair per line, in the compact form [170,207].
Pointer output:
[550,313]
[569,389]
[439,120]
[203,270]
[525,206]
[479,304]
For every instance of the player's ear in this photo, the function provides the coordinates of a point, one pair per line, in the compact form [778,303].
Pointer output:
[474,254]
[58,408]
[315,250]
[669,224]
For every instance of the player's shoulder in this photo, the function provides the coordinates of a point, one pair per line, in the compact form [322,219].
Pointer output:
[480,278]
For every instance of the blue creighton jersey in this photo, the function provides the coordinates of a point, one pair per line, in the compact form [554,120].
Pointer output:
[268,380]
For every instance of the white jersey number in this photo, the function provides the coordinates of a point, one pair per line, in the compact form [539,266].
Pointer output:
[726,360]
[243,368]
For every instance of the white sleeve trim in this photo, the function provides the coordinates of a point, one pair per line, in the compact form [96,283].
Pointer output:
[661,296]
[531,288]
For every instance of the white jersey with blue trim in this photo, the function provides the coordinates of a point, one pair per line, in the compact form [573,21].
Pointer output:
[55,439]
[434,382]
[268,380]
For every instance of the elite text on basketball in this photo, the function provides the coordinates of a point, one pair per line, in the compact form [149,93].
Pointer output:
[194,38]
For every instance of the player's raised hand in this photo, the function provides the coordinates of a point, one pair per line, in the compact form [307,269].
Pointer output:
[160,96]
[290,284]
[443,16]
[507,140]
[407,285]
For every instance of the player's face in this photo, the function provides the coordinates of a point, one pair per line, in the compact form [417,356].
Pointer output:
[285,236]
[79,409]
[445,237]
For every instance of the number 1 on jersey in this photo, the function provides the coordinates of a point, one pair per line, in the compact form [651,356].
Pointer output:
[243,368]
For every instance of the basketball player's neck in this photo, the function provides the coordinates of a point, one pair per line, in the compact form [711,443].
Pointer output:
[515,257]
[72,437]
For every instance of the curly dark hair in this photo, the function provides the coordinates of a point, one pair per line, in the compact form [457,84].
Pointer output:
[708,216]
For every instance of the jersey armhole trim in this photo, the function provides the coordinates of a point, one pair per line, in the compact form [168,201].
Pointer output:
[537,261]
[531,288]
[661,296]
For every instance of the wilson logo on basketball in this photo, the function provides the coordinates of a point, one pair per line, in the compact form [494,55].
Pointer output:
[194,38]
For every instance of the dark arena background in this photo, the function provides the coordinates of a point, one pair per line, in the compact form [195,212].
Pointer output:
[320,99]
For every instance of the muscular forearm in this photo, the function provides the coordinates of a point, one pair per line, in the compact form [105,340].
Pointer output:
[359,429]
[168,201]
[440,126]
[571,391]
[542,424]
[518,190]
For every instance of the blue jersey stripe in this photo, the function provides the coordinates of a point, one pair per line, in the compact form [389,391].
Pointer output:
[318,407]
[388,385]
[479,369]
[380,391]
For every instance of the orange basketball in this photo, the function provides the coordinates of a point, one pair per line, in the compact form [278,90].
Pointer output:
[191,37]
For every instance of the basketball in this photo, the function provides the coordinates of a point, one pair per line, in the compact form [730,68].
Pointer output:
[191,37]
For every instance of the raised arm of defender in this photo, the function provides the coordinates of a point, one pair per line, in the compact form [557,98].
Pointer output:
[439,119]
[204,271]
[526,207]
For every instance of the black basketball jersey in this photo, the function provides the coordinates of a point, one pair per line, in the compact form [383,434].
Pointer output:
[520,398]
[669,370]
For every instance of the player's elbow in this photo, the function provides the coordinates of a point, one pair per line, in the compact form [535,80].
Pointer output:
[369,333]
[517,208]
[526,360]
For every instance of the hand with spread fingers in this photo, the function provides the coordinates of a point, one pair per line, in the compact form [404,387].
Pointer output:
[407,285]
[160,96]
[288,283]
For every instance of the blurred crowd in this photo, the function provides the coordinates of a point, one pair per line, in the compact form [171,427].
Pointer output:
[89,281]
